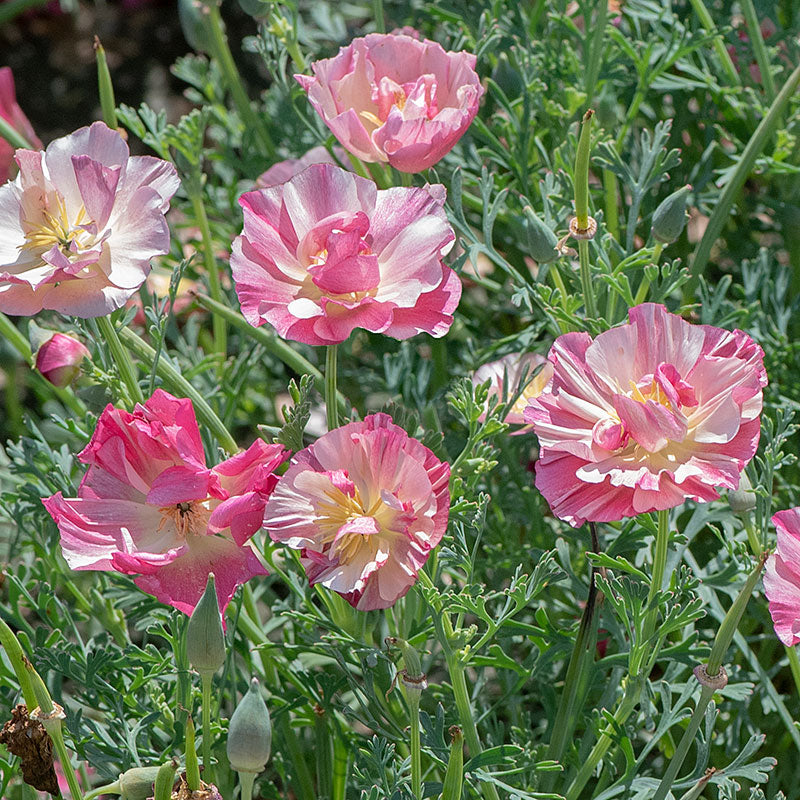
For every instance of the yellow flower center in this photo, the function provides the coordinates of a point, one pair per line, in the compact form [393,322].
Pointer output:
[189,519]
[54,228]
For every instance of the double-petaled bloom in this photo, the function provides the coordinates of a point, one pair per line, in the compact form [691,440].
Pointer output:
[327,252]
[782,577]
[507,375]
[80,224]
[645,416]
[364,504]
[393,98]
[148,505]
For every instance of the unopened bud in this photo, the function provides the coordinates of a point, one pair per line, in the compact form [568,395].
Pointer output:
[743,500]
[59,358]
[250,733]
[137,783]
[669,219]
[541,240]
[205,639]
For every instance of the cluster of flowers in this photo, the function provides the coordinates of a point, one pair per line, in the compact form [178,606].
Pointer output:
[635,420]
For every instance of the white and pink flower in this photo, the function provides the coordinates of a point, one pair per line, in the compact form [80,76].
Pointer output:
[782,577]
[365,504]
[285,170]
[327,252]
[80,223]
[395,98]
[148,505]
[645,416]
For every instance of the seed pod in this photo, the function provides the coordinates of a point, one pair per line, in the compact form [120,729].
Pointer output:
[250,733]
[669,219]
[541,240]
[454,775]
[137,783]
[205,639]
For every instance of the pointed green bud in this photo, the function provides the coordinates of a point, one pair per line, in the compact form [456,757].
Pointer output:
[250,733]
[137,783]
[165,780]
[669,219]
[104,86]
[193,16]
[454,775]
[541,240]
[205,639]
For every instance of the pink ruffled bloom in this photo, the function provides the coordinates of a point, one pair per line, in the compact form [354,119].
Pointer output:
[645,416]
[59,359]
[80,223]
[285,170]
[149,506]
[509,370]
[782,577]
[15,117]
[327,252]
[365,505]
[396,99]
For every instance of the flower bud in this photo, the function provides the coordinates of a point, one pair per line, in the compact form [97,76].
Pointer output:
[205,640]
[59,359]
[250,733]
[541,240]
[137,783]
[743,500]
[454,775]
[669,219]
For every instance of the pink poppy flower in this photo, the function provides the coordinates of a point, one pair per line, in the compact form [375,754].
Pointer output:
[326,252]
[782,577]
[285,170]
[80,223]
[510,370]
[59,359]
[645,416]
[396,99]
[365,504]
[15,117]
[149,506]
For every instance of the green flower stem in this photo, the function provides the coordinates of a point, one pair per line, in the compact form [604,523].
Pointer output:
[206,679]
[341,759]
[719,43]
[719,216]
[580,660]
[13,649]
[195,189]
[12,334]
[626,707]
[659,566]
[794,665]
[380,19]
[594,41]
[175,382]
[247,779]
[192,764]
[722,642]
[331,368]
[759,49]
[582,210]
[456,667]
[233,80]
[121,358]
[105,86]
[611,189]
[416,760]
[272,344]
[641,294]
[12,136]
[54,731]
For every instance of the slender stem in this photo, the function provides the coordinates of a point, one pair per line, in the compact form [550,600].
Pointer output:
[341,759]
[745,164]
[55,733]
[13,136]
[233,80]
[12,334]
[611,188]
[210,263]
[331,369]
[564,723]
[595,38]
[794,665]
[246,780]
[759,49]
[208,770]
[416,759]
[16,656]
[175,382]
[586,279]
[121,358]
[719,43]
[192,766]
[380,20]
[644,286]
[659,566]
